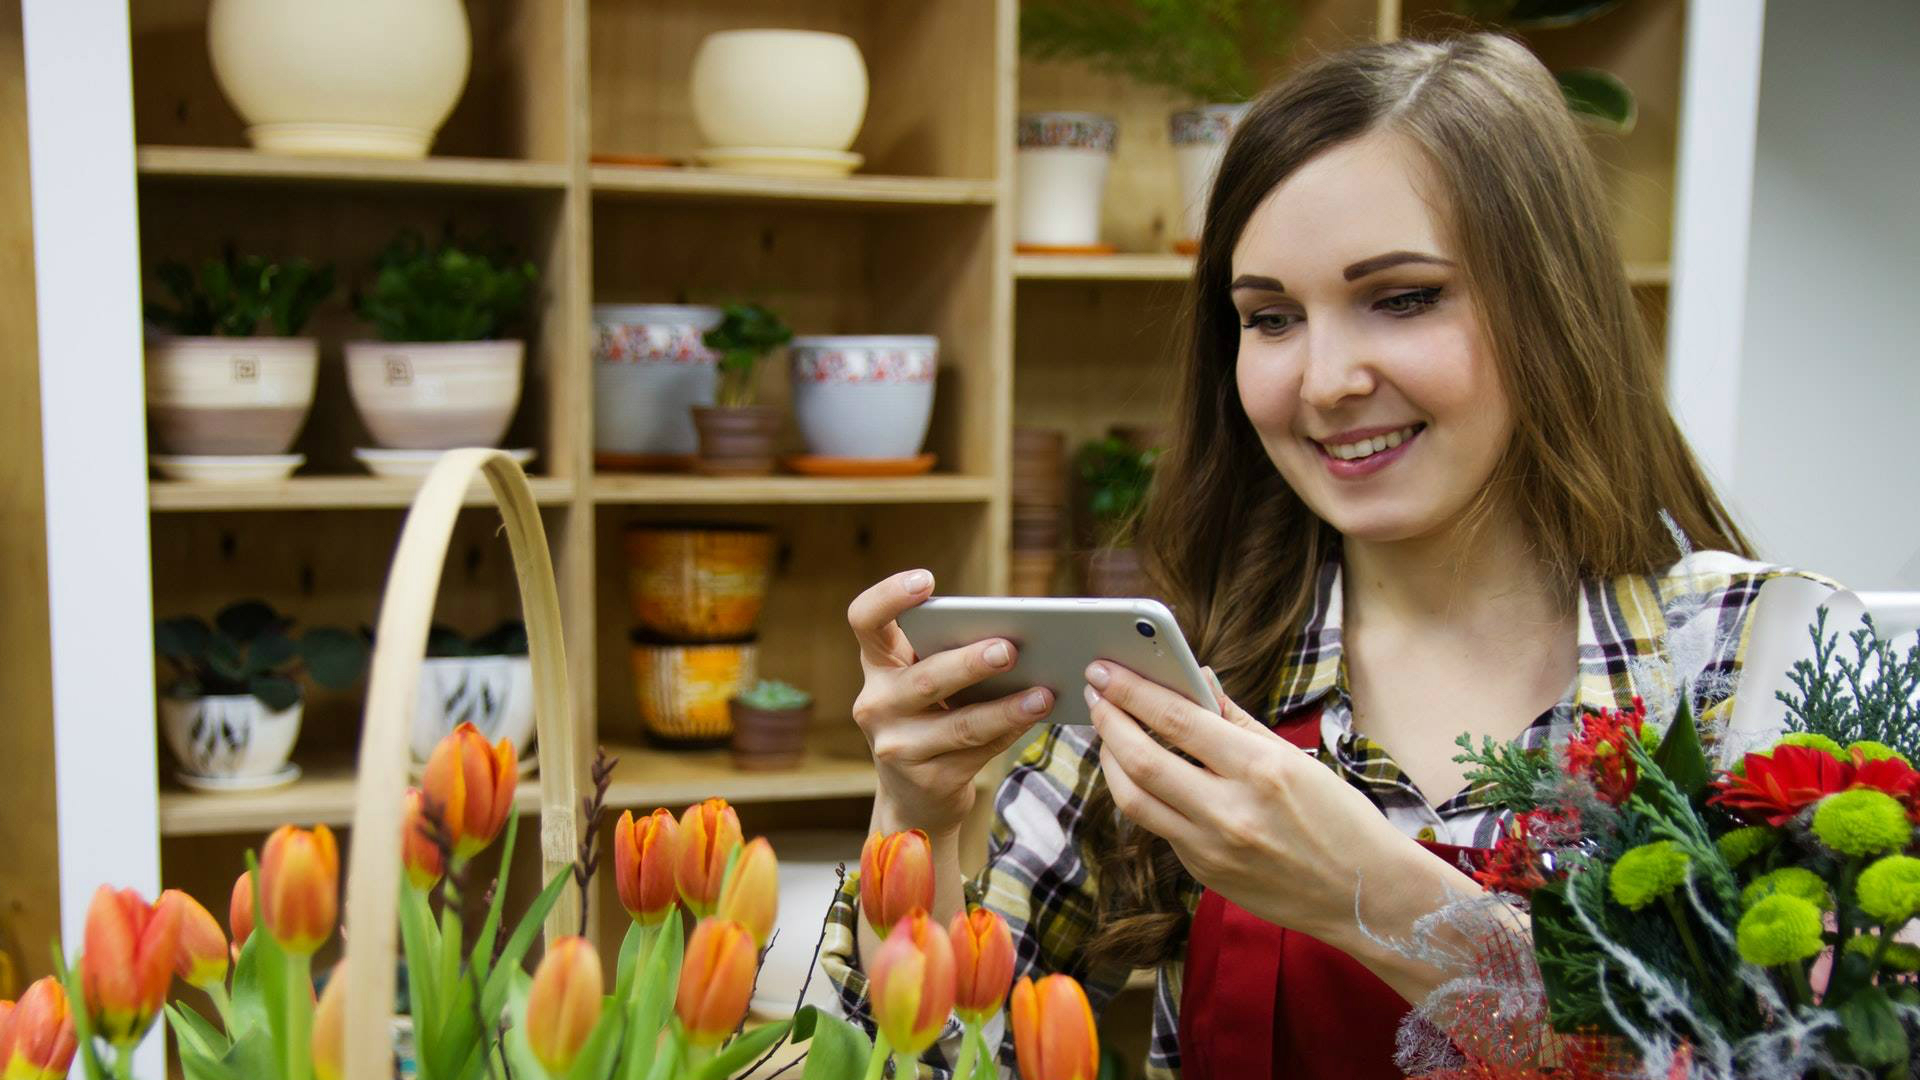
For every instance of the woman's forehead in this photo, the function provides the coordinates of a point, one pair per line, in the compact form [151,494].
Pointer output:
[1350,203]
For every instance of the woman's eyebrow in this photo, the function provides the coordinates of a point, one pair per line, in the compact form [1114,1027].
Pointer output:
[1256,281]
[1392,258]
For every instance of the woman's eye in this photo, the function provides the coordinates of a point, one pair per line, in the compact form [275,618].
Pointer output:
[1269,322]
[1410,302]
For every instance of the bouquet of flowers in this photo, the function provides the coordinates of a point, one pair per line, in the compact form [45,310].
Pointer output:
[1753,921]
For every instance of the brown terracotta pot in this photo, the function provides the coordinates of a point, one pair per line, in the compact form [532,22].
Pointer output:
[767,739]
[1116,572]
[736,441]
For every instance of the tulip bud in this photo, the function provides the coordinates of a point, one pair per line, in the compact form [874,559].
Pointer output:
[1053,1030]
[330,1027]
[716,981]
[419,853]
[470,784]
[300,887]
[709,832]
[644,857]
[912,984]
[983,963]
[201,956]
[37,1041]
[751,895]
[896,878]
[128,962]
[564,1004]
[240,910]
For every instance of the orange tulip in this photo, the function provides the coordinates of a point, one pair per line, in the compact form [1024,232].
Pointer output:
[240,910]
[471,785]
[716,981]
[983,962]
[200,959]
[708,833]
[300,887]
[896,878]
[330,1027]
[644,854]
[418,852]
[563,1004]
[912,984]
[1053,1031]
[751,895]
[36,1034]
[128,962]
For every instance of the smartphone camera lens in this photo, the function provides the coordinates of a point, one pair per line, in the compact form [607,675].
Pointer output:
[1145,628]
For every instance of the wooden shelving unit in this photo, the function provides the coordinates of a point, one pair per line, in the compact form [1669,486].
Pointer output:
[202,163]
[790,490]
[705,185]
[1126,267]
[322,493]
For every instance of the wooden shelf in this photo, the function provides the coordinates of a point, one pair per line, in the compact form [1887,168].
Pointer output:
[1144,266]
[214,163]
[791,490]
[706,185]
[322,493]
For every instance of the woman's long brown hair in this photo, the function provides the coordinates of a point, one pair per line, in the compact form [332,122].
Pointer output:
[1594,448]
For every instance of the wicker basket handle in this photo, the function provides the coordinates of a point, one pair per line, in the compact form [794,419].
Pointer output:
[373,863]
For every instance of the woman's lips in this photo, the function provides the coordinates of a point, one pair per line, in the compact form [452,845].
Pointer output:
[1393,445]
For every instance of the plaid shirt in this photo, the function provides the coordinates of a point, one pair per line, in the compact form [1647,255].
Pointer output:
[1639,635]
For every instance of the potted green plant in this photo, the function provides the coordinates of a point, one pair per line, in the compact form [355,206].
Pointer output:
[770,722]
[227,375]
[441,374]
[1115,477]
[1598,98]
[231,710]
[736,435]
[486,681]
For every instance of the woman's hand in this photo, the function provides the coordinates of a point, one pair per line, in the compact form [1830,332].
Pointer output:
[928,755]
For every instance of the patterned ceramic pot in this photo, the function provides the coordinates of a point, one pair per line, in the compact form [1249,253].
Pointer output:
[683,690]
[229,736]
[1060,176]
[650,370]
[704,584]
[779,88]
[1199,139]
[436,395]
[493,693]
[229,396]
[862,396]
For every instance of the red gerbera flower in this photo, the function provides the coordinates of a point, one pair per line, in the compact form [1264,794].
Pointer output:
[1783,783]
[1602,753]
[1891,775]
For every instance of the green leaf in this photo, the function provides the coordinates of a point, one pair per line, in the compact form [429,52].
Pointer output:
[192,1029]
[1600,99]
[246,620]
[420,942]
[647,1010]
[597,1057]
[82,1026]
[248,1006]
[836,1049]
[743,1051]
[252,1055]
[225,662]
[334,658]
[624,971]
[182,638]
[462,1030]
[984,1067]
[275,693]
[1681,757]
[667,1064]
[269,652]
[481,959]
[1873,1028]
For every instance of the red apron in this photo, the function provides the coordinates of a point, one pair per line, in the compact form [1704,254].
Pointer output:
[1259,1000]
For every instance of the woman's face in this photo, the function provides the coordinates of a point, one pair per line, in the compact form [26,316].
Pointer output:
[1363,362]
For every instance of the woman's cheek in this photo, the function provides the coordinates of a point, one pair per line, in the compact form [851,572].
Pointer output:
[1269,390]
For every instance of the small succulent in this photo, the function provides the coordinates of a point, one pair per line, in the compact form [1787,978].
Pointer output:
[746,334]
[449,292]
[1117,477]
[232,295]
[774,695]
[507,639]
[251,649]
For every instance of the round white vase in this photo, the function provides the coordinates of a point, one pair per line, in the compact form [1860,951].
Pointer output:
[227,395]
[435,395]
[866,397]
[1199,138]
[229,736]
[802,89]
[651,368]
[1060,177]
[360,78]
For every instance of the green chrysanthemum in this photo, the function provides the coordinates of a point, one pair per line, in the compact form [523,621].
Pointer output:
[1899,956]
[1780,929]
[1647,873]
[1889,890]
[1744,843]
[1862,821]
[1811,740]
[1791,881]
[1650,736]
[1876,751]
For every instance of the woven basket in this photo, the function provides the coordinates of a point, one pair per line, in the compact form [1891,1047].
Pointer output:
[373,864]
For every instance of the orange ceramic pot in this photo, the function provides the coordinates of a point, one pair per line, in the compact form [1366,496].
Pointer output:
[683,690]
[698,584]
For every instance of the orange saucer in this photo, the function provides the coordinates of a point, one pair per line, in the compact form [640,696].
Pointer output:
[1066,249]
[813,465]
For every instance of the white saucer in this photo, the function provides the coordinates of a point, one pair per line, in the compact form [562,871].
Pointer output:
[778,160]
[278,778]
[413,464]
[227,468]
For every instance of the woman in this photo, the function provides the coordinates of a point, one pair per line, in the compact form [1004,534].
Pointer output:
[1416,492]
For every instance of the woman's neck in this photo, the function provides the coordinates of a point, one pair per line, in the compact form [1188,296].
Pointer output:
[1484,582]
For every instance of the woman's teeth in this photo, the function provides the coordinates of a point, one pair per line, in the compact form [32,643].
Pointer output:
[1368,447]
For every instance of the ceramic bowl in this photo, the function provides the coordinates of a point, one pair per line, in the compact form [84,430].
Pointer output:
[698,584]
[779,88]
[229,736]
[864,397]
[807,885]
[435,395]
[223,469]
[650,369]
[1060,178]
[1199,138]
[493,693]
[229,396]
[682,690]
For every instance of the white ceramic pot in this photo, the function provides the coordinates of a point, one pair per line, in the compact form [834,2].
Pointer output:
[779,88]
[229,736]
[493,693]
[366,78]
[807,885]
[1060,177]
[864,397]
[1199,139]
[229,396]
[650,369]
[435,395]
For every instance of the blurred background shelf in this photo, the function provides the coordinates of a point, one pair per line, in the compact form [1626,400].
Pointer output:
[224,163]
[1144,266]
[324,493]
[791,490]
[707,185]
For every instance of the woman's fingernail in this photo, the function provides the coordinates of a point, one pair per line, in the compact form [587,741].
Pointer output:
[997,655]
[1093,697]
[1035,702]
[918,582]
[1097,675]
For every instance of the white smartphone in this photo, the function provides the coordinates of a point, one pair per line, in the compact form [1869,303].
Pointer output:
[1056,638]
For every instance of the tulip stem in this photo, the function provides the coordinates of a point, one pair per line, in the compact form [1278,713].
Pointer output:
[299,1018]
[969,1047]
[123,1061]
[904,1066]
[877,1064]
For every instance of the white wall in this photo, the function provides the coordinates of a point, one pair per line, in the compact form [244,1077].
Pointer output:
[1826,473]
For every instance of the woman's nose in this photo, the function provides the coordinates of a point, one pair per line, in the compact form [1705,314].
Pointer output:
[1336,366]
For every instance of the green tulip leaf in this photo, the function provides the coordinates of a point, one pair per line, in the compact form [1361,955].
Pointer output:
[602,1048]
[480,961]
[82,1026]
[625,972]
[191,1031]
[251,1055]
[835,1048]
[647,1010]
[248,1007]
[743,1051]
[1600,99]
[420,942]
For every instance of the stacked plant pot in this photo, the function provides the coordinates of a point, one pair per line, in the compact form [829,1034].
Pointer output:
[697,594]
[1039,508]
